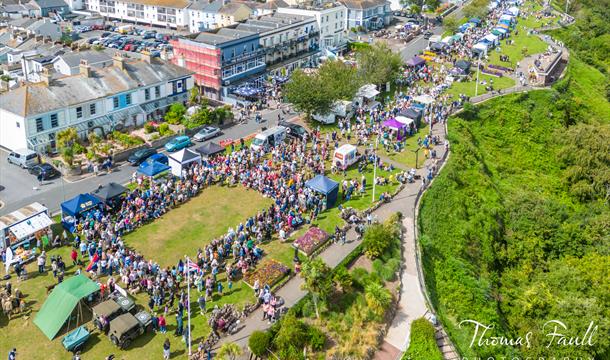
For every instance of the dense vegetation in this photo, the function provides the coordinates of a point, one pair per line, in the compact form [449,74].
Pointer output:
[422,342]
[516,227]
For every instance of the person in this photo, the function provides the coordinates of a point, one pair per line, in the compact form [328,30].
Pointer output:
[41,261]
[74,256]
[76,356]
[162,324]
[201,302]
[12,355]
[166,347]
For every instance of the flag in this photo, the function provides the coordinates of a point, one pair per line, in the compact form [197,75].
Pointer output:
[93,262]
[9,259]
[191,266]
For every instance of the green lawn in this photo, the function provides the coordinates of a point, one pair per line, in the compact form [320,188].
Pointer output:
[194,224]
[468,87]
[407,156]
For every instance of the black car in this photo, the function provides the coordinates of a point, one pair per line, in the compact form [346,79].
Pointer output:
[47,171]
[295,130]
[428,35]
[139,156]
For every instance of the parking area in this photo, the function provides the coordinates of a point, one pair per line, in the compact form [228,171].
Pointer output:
[128,38]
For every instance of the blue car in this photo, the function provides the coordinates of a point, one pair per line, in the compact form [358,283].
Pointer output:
[160,158]
[178,143]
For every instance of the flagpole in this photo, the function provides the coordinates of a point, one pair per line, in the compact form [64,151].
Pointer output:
[188,296]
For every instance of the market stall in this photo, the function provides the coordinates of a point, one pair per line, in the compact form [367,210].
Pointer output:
[365,97]
[20,231]
[463,65]
[210,149]
[397,129]
[345,156]
[153,169]
[182,159]
[110,193]
[415,61]
[412,113]
[325,186]
[76,208]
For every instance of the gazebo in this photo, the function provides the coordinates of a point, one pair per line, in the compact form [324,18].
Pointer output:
[210,149]
[463,65]
[153,169]
[325,186]
[75,207]
[109,192]
[179,160]
[415,61]
[397,127]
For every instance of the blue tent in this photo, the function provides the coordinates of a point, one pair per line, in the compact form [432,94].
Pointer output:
[475,21]
[80,204]
[153,169]
[326,187]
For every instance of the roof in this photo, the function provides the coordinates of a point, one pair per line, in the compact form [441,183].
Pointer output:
[32,99]
[21,214]
[153,169]
[92,57]
[271,23]
[210,149]
[78,204]
[106,308]
[61,303]
[124,322]
[233,8]
[178,4]
[50,3]
[22,23]
[224,35]
[184,156]
[109,191]
[362,4]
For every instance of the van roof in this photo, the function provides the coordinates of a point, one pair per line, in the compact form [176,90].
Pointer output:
[273,130]
[24,151]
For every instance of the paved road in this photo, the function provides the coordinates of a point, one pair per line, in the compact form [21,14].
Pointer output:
[21,189]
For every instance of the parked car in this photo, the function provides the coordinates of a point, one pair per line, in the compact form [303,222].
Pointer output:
[178,143]
[206,133]
[141,155]
[23,157]
[428,35]
[160,158]
[47,171]
[295,130]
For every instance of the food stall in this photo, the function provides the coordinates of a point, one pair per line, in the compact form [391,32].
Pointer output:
[76,208]
[182,159]
[345,156]
[20,230]
[396,128]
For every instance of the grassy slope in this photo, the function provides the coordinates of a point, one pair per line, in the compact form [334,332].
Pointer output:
[480,220]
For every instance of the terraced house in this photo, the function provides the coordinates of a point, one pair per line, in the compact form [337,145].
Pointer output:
[165,13]
[368,14]
[99,98]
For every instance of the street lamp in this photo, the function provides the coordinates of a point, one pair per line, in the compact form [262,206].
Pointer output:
[375,167]
[416,151]
[476,86]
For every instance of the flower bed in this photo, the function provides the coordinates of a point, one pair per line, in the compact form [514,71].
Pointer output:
[499,67]
[268,273]
[311,240]
[492,72]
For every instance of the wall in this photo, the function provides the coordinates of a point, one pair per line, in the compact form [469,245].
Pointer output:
[11,136]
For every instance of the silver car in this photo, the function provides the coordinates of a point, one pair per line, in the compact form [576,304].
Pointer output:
[206,133]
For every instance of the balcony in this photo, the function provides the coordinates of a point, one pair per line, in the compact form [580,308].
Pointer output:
[244,57]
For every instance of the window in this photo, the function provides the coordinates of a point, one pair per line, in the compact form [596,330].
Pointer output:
[54,121]
[39,126]
[92,109]
[146,94]
[18,124]
[79,112]
[115,102]
[157,91]
[128,99]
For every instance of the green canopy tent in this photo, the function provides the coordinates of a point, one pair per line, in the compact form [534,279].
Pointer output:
[60,305]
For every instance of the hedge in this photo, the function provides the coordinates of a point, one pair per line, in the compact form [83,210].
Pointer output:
[422,343]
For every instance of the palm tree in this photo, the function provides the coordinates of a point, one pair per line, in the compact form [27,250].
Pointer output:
[317,280]
[229,351]
[378,298]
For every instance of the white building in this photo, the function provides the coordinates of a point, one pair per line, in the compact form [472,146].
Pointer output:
[217,14]
[332,21]
[368,14]
[99,99]
[166,13]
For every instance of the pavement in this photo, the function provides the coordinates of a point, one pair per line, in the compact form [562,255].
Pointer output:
[18,188]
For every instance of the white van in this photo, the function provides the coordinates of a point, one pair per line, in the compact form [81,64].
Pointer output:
[269,138]
[23,157]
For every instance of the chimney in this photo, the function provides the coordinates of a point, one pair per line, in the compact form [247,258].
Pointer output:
[118,61]
[84,68]
[47,39]
[39,38]
[45,76]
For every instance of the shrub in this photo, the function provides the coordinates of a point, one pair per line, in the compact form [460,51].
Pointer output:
[126,140]
[317,338]
[149,128]
[78,148]
[259,342]
[175,114]
[422,343]
[164,130]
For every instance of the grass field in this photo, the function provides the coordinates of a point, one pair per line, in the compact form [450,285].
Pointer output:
[194,224]
[468,87]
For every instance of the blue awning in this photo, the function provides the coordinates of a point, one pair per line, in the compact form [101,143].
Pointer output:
[153,169]
[80,204]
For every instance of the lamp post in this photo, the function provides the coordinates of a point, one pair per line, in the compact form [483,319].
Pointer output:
[416,151]
[476,86]
[375,167]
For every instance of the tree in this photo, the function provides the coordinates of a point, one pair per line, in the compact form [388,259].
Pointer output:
[377,297]
[194,95]
[66,138]
[229,351]
[343,279]
[175,114]
[378,64]
[259,343]
[377,239]
[292,336]
[477,8]
[308,94]
[341,80]
[317,280]
[451,23]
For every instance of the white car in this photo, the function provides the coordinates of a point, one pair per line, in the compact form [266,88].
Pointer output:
[206,133]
